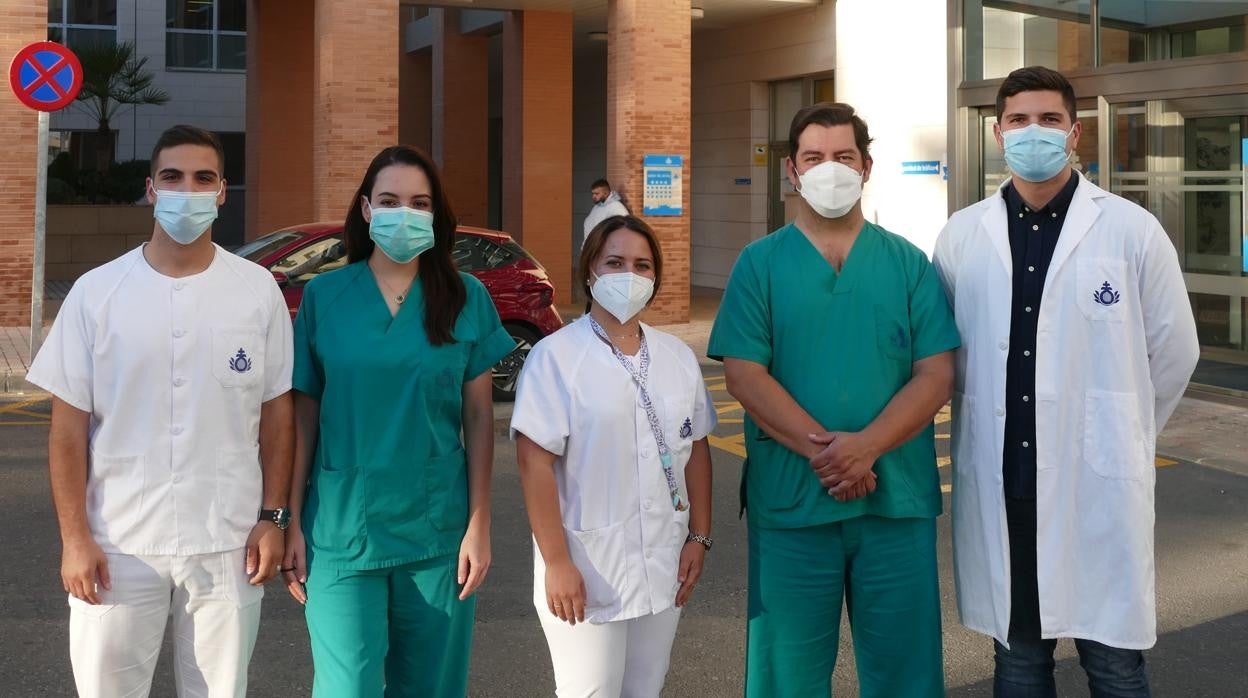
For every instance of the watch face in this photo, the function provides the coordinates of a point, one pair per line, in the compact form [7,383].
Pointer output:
[282,518]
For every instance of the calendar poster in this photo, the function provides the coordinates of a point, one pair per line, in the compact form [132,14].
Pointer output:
[663,185]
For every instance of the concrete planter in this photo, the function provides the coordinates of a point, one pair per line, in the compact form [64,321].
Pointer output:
[82,237]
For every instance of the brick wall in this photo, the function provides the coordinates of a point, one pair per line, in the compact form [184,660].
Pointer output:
[20,23]
[537,139]
[648,112]
[416,98]
[354,97]
[279,116]
[461,81]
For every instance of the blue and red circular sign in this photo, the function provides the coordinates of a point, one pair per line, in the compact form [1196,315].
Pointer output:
[45,76]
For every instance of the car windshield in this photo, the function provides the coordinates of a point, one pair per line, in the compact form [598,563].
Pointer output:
[262,247]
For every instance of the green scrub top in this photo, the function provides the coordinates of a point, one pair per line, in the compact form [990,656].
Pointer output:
[389,483]
[841,345]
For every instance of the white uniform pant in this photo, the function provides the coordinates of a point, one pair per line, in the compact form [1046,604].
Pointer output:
[216,613]
[620,659]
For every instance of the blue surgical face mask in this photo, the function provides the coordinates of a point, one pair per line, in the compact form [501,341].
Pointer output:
[1036,153]
[402,233]
[185,215]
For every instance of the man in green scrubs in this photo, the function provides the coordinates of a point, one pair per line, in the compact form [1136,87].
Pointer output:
[838,340]
[387,501]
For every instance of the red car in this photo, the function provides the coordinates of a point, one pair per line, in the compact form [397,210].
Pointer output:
[517,283]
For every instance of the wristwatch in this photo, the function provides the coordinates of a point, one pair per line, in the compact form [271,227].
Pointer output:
[696,538]
[279,516]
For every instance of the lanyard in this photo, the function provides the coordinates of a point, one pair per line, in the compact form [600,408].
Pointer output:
[640,375]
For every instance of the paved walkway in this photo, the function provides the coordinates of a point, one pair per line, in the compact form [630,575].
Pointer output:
[15,360]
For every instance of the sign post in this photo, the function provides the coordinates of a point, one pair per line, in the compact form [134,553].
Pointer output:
[46,77]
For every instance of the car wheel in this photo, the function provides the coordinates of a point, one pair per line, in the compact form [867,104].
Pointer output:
[507,371]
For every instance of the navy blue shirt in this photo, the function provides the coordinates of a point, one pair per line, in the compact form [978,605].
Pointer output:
[1033,237]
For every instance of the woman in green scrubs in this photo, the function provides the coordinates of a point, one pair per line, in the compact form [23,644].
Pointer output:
[390,508]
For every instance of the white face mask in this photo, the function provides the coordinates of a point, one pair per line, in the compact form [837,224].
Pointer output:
[623,295]
[185,215]
[831,188]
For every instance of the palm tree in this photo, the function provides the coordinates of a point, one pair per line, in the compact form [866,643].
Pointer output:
[114,77]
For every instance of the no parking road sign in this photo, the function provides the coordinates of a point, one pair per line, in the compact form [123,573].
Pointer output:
[45,76]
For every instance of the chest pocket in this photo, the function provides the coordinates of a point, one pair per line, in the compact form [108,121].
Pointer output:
[1102,292]
[237,356]
[892,335]
[442,372]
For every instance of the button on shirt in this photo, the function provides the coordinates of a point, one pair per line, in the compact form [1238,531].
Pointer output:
[173,373]
[1033,237]
[576,401]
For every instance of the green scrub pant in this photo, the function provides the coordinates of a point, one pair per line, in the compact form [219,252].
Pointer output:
[884,570]
[398,631]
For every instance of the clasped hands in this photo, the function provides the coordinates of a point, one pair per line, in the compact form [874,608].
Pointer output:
[844,463]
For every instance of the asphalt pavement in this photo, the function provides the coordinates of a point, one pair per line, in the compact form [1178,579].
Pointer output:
[1202,588]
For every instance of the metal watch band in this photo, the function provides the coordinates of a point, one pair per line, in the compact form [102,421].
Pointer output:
[697,538]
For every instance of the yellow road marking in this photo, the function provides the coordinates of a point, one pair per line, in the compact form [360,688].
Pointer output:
[27,413]
[946,488]
[1165,462]
[728,444]
[26,424]
[19,406]
[942,462]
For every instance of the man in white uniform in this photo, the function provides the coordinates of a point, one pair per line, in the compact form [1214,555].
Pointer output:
[606,204]
[171,442]
[1077,343]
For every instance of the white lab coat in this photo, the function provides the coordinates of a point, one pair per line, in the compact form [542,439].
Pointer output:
[1111,365]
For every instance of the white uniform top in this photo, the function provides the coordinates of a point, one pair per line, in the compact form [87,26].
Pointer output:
[576,401]
[173,372]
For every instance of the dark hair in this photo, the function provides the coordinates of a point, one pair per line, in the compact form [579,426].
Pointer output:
[600,183]
[188,135]
[598,239]
[443,290]
[830,114]
[1034,79]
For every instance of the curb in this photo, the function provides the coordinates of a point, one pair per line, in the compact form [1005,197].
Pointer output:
[16,384]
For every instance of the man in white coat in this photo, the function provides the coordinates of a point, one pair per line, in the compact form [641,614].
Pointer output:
[1077,343]
[606,204]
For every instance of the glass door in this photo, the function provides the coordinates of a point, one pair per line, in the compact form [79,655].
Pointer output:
[1183,160]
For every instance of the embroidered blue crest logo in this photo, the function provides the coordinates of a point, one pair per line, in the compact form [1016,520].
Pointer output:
[900,339]
[240,363]
[1107,296]
[686,429]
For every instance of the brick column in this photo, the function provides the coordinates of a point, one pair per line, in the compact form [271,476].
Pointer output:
[279,115]
[24,22]
[537,139]
[461,115]
[415,99]
[648,83]
[355,96]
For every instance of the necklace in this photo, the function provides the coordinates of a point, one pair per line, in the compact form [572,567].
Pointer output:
[398,297]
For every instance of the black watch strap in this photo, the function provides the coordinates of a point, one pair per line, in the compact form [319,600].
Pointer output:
[279,516]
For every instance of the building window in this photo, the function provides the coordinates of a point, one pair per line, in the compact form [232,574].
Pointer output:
[82,23]
[206,35]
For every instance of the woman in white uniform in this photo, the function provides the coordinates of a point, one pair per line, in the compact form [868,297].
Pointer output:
[610,423]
